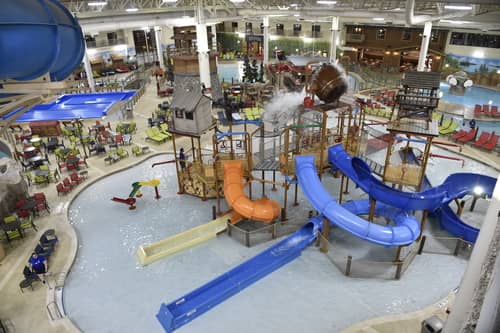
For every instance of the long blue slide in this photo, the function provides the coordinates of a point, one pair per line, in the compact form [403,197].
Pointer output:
[188,307]
[405,230]
[455,186]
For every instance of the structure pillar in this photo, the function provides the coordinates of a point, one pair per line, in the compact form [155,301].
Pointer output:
[203,54]
[265,23]
[88,70]
[159,50]
[333,43]
[478,279]
[424,47]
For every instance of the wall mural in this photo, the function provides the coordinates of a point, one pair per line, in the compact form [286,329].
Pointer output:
[473,65]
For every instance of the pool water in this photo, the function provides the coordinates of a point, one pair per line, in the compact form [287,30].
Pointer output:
[230,71]
[108,291]
[76,106]
[473,95]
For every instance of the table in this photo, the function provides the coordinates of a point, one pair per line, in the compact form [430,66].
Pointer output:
[29,149]
[36,161]
[36,140]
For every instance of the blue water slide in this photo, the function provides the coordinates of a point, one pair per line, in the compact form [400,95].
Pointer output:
[405,230]
[38,37]
[357,170]
[188,307]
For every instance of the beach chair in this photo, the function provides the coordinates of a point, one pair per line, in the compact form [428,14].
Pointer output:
[477,110]
[122,152]
[446,124]
[75,178]
[62,189]
[494,111]
[492,142]
[153,136]
[469,136]
[486,109]
[459,134]
[483,138]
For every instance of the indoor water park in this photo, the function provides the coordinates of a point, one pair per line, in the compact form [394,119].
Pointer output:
[198,167]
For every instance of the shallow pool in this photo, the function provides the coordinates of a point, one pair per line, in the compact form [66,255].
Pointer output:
[230,71]
[76,106]
[107,291]
[473,95]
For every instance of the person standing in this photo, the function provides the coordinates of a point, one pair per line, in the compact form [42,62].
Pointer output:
[38,264]
[182,159]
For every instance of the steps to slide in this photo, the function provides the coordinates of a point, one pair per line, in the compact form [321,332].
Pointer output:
[405,230]
[264,210]
[148,254]
[188,307]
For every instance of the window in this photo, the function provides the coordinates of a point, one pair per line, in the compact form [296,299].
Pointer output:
[381,34]
[296,29]
[190,115]
[112,36]
[457,38]
[262,28]
[234,26]
[435,36]
[358,30]
[280,29]
[316,29]
[248,27]
[471,39]
[179,113]
[406,35]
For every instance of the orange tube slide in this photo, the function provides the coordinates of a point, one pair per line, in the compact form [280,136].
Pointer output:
[264,210]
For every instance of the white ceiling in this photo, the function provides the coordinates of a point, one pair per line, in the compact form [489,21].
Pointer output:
[484,14]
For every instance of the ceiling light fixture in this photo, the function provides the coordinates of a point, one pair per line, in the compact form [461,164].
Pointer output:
[131,10]
[458,7]
[283,7]
[378,19]
[237,1]
[97,3]
[326,2]
[168,1]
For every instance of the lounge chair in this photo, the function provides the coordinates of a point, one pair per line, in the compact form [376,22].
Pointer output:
[450,129]
[122,153]
[459,134]
[469,136]
[483,138]
[75,178]
[155,136]
[477,110]
[494,111]
[492,142]
[62,189]
[486,109]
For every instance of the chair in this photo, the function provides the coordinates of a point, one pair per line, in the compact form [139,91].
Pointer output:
[23,213]
[29,278]
[164,129]
[62,189]
[45,241]
[492,142]
[27,223]
[46,252]
[136,150]
[469,136]
[119,139]
[83,162]
[477,110]
[39,180]
[152,135]
[486,109]
[483,138]
[75,178]
[20,203]
[459,134]
[68,183]
[54,176]
[494,111]
[122,152]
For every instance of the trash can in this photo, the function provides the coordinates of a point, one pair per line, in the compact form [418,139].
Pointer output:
[432,325]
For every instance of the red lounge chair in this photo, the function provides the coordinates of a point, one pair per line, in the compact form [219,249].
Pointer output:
[483,138]
[477,110]
[469,136]
[68,183]
[494,111]
[459,134]
[62,189]
[486,109]
[492,142]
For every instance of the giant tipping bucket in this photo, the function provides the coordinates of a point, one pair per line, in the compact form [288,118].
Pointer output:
[38,37]
[329,83]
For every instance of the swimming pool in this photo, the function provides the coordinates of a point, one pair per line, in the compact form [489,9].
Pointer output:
[473,95]
[107,290]
[230,71]
[76,106]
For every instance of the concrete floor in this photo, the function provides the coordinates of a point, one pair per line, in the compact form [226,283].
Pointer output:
[30,311]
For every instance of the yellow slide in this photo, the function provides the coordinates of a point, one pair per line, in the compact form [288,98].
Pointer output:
[156,251]
[264,210]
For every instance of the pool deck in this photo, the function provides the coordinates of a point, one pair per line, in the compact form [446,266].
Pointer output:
[27,312]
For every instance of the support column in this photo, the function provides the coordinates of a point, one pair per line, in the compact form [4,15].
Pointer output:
[203,54]
[475,279]
[265,23]
[333,43]
[424,47]
[88,70]
[159,50]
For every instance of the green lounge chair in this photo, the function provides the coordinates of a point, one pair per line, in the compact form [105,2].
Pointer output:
[137,151]
[151,135]
[122,153]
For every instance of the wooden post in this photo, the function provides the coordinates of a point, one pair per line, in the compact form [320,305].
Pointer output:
[295,202]
[341,187]
[399,264]
[457,247]
[421,245]
[274,181]
[285,197]
[425,158]
[322,144]
[326,236]
[372,209]
[460,207]
[348,266]
[179,183]
[346,191]
[422,223]
[263,184]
